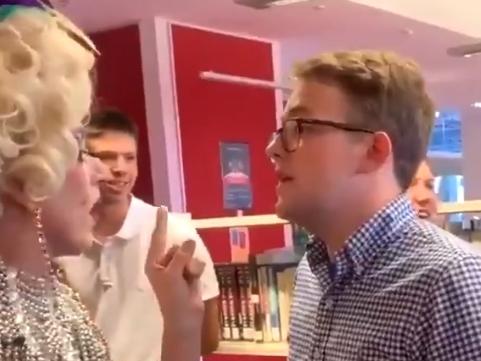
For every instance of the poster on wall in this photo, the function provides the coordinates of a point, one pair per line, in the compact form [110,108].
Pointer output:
[236,175]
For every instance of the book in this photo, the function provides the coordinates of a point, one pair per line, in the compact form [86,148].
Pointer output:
[255,297]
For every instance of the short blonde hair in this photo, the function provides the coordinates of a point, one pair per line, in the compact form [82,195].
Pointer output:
[387,93]
[45,93]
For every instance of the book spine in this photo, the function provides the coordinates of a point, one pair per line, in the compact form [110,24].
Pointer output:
[226,329]
[255,302]
[273,305]
[233,302]
[247,317]
[264,299]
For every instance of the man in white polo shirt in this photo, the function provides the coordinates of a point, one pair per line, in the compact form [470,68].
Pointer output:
[110,276]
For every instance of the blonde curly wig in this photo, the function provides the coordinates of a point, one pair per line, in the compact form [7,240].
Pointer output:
[45,94]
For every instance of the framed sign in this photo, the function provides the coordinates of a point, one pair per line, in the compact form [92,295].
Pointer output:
[236,176]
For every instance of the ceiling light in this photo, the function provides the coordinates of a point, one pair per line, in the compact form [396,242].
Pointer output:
[465,51]
[476,105]
[286,2]
[266,4]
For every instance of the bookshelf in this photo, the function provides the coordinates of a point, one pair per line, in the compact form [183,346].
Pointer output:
[254,303]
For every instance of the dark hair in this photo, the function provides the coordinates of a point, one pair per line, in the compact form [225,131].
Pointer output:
[111,120]
[388,93]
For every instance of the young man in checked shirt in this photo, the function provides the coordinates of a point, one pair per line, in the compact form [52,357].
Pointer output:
[377,283]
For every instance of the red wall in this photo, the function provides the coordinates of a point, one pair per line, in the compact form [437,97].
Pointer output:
[120,85]
[211,112]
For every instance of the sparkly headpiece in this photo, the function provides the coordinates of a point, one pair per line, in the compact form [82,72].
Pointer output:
[8,7]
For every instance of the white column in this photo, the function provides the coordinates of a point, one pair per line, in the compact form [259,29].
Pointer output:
[471,132]
[279,78]
[161,109]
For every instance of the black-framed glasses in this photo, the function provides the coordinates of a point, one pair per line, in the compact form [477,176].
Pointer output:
[290,133]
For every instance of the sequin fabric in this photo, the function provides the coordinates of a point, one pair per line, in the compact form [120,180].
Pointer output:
[39,323]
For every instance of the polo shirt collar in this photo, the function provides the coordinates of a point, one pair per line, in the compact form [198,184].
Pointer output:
[132,223]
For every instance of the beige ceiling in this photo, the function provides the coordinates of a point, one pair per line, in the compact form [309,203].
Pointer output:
[463,16]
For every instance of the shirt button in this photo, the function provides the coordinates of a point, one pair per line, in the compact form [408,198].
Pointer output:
[329,303]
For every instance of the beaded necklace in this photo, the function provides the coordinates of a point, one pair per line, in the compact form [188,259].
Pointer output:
[42,319]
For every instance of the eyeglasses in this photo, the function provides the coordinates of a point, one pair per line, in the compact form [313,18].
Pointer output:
[292,129]
[82,155]
[79,136]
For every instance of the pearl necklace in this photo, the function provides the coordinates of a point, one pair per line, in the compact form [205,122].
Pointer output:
[42,319]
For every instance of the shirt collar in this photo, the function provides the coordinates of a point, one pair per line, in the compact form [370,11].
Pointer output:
[363,246]
[131,226]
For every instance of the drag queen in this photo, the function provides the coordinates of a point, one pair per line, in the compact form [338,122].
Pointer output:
[47,189]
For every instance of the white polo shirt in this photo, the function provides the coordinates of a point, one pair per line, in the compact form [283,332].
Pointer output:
[111,281]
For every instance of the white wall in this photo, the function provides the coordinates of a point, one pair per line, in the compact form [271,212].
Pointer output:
[472,153]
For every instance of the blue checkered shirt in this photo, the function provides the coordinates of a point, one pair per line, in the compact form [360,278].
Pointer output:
[402,289]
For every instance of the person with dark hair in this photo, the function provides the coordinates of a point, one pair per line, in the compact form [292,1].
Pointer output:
[111,120]
[109,276]
[422,194]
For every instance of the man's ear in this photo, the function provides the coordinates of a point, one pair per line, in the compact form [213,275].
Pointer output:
[378,150]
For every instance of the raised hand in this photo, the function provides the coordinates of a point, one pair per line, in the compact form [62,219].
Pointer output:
[174,276]
[163,267]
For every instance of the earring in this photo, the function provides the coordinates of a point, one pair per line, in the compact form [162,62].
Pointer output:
[42,241]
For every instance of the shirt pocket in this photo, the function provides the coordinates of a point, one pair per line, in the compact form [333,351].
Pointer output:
[383,345]
[374,352]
